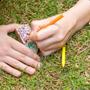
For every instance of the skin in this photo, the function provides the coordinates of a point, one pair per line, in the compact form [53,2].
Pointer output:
[14,56]
[53,37]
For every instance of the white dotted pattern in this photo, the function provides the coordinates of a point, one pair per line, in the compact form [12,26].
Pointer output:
[23,32]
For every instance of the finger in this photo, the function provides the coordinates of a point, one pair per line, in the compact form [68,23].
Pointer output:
[25,59]
[9,69]
[44,33]
[45,53]
[50,41]
[23,49]
[57,38]
[37,24]
[17,64]
[55,46]
[60,44]
[9,28]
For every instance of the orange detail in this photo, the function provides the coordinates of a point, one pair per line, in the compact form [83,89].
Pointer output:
[52,22]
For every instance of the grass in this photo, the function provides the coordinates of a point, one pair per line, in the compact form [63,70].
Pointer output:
[75,75]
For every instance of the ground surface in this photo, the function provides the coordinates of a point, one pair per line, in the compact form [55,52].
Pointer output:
[75,75]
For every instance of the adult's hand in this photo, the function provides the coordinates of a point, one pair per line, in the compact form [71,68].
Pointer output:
[14,56]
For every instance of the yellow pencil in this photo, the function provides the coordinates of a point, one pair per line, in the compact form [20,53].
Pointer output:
[63,56]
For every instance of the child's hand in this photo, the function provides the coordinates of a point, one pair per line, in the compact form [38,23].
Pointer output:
[53,37]
[14,55]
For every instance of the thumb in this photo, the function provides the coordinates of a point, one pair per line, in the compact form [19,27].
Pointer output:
[38,24]
[9,28]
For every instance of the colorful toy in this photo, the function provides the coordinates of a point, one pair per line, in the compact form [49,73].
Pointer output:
[23,33]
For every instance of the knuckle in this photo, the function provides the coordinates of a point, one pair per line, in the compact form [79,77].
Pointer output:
[61,37]
[26,51]
[61,44]
[1,52]
[31,53]
[16,62]
[3,58]
[4,50]
[21,56]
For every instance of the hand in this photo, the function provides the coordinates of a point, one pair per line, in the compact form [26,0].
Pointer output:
[14,55]
[53,37]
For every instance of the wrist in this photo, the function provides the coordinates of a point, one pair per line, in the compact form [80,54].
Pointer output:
[80,12]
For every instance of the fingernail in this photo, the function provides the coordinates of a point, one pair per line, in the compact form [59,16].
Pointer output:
[18,74]
[30,71]
[39,66]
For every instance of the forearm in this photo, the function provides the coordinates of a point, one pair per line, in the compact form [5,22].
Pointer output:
[80,12]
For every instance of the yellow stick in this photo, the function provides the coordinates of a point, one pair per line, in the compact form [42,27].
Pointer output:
[63,56]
